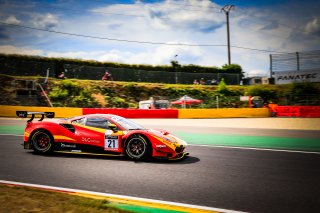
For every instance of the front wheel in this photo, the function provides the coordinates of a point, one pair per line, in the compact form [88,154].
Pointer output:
[42,142]
[137,148]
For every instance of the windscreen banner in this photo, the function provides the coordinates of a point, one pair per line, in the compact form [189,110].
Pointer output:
[287,77]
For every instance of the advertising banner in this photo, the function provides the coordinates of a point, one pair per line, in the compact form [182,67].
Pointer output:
[287,77]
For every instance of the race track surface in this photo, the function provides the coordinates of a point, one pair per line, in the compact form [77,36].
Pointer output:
[236,179]
[229,178]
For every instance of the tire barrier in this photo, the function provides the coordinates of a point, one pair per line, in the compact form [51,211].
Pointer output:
[134,113]
[64,112]
[60,112]
[224,113]
[298,111]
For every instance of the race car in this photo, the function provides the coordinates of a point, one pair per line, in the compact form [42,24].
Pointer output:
[99,134]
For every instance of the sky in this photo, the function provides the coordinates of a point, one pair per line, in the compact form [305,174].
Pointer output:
[156,32]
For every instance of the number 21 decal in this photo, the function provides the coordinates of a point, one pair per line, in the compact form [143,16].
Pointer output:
[111,142]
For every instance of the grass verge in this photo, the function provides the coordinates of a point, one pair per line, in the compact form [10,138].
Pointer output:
[23,199]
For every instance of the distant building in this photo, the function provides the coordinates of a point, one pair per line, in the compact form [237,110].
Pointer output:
[257,80]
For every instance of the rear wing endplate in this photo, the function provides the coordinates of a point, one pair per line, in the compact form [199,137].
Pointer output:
[24,114]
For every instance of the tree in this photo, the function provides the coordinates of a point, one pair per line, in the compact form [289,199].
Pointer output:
[233,68]
[175,65]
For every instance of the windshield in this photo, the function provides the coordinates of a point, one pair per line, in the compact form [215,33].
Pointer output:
[126,124]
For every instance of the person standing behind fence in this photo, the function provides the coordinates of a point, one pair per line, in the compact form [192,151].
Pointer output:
[107,76]
[202,82]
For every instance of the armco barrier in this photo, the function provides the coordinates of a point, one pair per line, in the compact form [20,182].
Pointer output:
[64,112]
[224,113]
[288,111]
[310,112]
[298,111]
[134,113]
[60,112]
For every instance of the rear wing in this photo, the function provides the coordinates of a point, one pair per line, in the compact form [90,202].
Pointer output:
[24,114]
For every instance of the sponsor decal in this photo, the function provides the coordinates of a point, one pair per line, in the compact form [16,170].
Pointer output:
[68,145]
[22,114]
[161,146]
[89,140]
[297,76]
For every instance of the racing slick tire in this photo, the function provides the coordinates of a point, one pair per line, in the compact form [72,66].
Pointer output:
[137,148]
[42,142]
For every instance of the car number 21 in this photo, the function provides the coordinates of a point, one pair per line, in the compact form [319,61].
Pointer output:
[111,142]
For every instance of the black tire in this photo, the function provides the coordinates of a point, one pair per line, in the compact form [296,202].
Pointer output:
[137,148]
[42,142]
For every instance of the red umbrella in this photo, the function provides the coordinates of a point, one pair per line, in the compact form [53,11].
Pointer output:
[186,100]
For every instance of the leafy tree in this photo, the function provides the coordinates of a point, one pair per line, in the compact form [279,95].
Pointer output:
[302,93]
[267,94]
[175,65]
[223,90]
[233,68]
[306,88]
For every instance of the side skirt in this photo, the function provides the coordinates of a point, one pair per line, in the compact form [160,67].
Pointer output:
[88,153]
[71,148]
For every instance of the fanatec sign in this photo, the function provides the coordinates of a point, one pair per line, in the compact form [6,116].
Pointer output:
[286,77]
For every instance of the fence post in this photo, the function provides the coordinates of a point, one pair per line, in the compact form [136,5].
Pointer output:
[217,101]
[270,65]
[298,61]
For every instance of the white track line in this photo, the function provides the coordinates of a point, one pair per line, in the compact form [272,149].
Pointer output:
[119,196]
[259,149]
[10,135]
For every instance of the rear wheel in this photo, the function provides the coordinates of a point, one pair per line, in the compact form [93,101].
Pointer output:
[42,142]
[137,147]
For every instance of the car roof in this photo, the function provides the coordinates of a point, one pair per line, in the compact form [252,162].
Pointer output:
[96,115]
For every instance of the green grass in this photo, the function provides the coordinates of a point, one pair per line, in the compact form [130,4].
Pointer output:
[264,142]
[20,199]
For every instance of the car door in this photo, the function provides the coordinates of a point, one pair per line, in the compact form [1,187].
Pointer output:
[96,131]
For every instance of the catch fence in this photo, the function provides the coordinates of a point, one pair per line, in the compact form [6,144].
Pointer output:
[23,67]
[134,75]
[298,61]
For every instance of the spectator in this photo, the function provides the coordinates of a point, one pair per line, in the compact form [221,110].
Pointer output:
[195,82]
[214,82]
[202,82]
[107,76]
[61,76]
[208,82]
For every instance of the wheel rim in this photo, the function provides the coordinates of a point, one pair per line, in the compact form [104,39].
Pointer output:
[136,147]
[41,141]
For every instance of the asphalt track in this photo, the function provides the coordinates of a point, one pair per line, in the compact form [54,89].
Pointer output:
[228,178]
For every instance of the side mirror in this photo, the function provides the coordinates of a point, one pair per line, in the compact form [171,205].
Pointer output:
[113,127]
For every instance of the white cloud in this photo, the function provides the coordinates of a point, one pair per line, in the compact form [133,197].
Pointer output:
[9,49]
[159,55]
[44,21]
[313,26]
[12,20]
[171,21]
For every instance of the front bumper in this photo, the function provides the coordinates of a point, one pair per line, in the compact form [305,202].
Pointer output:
[179,156]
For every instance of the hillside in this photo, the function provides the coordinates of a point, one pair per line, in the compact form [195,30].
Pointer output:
[94,93]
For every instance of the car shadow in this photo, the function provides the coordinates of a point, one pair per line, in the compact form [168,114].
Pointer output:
[186,160]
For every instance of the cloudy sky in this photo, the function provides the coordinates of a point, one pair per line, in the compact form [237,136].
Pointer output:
[155,31]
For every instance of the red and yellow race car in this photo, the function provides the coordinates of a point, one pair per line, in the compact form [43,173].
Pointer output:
[99,134]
